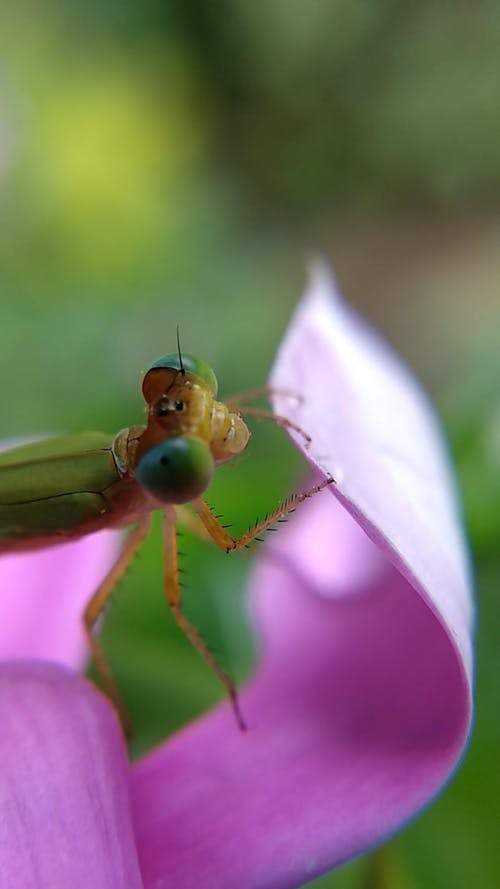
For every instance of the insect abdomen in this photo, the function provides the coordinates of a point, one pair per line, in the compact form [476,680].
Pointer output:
[34,524]
[50,490]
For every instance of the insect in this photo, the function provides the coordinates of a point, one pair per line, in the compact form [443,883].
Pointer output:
[63,488]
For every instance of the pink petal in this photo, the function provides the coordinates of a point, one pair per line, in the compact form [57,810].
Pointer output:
[375,432]
[64,778]
[362,703]
[44,594]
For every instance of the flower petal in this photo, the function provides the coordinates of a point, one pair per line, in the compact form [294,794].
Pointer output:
[362,704]
[373,430]
[44,594]
[64,784]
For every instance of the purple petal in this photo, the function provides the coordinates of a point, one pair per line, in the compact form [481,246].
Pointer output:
[64,778]
[44,594]
[375,432]
[362,703]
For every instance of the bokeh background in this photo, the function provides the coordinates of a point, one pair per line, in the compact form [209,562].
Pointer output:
[176,162]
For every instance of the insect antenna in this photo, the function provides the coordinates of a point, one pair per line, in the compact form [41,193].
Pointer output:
[183,370]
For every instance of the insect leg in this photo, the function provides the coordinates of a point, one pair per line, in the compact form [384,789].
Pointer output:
[191,522]
[234,402]
[224,540]
[279,419]
[97,605]
[173,595]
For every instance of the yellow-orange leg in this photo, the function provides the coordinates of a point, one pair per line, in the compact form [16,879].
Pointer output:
[238,404]
[229,544]
[279,419]
[97,605]
[234,402]
[192,523]
[173,594]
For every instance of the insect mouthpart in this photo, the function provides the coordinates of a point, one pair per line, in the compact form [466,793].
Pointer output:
[166,406]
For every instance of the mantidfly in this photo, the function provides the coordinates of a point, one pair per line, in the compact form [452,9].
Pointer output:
[63,488]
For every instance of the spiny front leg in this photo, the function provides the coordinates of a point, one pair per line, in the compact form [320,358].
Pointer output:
[173,595]
[96,607]
[224,540]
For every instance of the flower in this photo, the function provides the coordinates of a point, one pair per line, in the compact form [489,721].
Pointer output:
[66,817]
[361,705]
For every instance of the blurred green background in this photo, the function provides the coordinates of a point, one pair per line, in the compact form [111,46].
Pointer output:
[175,162]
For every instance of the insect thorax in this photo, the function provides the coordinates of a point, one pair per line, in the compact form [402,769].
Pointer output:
[229,433]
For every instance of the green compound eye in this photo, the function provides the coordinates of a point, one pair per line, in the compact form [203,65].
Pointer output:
[191,365]
[177,470]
